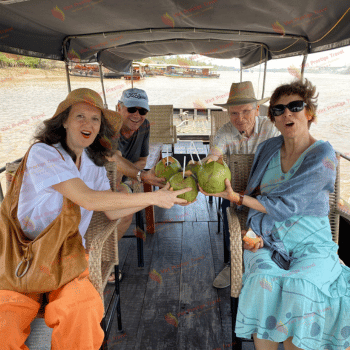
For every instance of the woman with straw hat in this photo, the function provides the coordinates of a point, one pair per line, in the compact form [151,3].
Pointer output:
[60,182]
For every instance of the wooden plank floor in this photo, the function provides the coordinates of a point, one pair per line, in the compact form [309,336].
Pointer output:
[170,303]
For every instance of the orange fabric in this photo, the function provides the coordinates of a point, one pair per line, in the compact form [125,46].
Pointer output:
[75,312]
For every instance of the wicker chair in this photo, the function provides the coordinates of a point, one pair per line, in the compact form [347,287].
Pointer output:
[162,126]
[102,242]
[218,119]
[240,165]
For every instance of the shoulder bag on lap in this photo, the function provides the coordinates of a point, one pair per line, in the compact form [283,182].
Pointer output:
[55,257]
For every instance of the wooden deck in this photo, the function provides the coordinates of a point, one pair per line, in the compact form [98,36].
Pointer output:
[170,303]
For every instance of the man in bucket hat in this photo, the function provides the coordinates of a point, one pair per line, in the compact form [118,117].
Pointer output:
[241,135]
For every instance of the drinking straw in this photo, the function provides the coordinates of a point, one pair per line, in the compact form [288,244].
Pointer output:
[183,172]
[191,156]
[196,152]
[167,157]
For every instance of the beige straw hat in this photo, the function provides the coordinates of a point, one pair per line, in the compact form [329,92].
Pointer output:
[92,98]
[241,94]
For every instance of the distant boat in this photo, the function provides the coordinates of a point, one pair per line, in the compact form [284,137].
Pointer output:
[183,71]
[92,71]
[138,71]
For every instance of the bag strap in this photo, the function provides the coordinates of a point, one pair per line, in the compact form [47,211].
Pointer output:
[17,180]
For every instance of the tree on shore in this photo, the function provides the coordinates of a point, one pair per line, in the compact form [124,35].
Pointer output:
[10,60]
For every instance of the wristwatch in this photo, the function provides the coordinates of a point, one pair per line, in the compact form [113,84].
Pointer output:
[138,176]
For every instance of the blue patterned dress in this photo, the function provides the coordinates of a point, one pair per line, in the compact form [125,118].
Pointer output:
[309,302]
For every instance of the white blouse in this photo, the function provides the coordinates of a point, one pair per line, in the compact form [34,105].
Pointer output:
[39,204]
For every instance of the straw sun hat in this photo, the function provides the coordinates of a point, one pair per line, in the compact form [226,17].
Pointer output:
[241,94]
[94,99]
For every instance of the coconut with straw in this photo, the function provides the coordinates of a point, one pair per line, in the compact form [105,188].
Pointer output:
[182,180]
[167,167]
[192,164]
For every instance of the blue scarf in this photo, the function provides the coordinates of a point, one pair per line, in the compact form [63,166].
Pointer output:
[306,192]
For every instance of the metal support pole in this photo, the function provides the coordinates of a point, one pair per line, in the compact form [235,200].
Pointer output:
[240,72]
[264,81]
[68,78]
[103,87]
[303,66]
[132,76]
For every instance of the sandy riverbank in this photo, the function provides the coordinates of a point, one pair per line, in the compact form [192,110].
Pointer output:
[11,74]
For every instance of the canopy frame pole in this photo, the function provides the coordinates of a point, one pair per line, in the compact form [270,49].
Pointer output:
[103,86]
[195,30]
[304,61]
[303,66]
[68,78]
[240,71]
[66,65]
[132,76]
[264,80]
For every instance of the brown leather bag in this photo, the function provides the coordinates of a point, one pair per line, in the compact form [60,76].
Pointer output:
[55,257]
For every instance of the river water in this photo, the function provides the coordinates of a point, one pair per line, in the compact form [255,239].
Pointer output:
[26,102]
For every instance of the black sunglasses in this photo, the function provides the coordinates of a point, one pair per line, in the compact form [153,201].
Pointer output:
[294,106]
[142,111]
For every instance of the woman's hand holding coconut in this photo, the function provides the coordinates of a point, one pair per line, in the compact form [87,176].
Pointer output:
[166,198]
[228,193]
[237,198]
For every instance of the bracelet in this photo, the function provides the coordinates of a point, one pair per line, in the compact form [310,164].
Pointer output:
[241,196]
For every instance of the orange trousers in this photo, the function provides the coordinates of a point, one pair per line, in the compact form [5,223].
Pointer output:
[74,311]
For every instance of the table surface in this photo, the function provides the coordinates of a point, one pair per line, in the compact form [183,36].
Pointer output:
[186,147]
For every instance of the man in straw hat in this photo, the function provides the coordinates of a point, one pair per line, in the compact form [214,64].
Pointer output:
[242,135]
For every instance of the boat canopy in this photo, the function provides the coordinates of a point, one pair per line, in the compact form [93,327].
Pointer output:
[117,32]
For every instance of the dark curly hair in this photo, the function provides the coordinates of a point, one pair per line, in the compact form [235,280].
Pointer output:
[105,143]
[305,90]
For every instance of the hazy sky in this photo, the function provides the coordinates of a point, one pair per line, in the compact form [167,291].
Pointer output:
[332,58]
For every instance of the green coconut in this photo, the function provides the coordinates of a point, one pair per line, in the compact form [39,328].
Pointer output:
[194,167]
[167,170]
[212,175]
[177,182]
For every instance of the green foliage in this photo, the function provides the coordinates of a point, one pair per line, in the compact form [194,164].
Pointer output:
[6,62]
[26,61]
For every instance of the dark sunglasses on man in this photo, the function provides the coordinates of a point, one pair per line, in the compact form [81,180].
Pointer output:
[142,111]
[294,106]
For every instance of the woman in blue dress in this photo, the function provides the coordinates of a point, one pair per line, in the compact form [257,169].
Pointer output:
[295,290]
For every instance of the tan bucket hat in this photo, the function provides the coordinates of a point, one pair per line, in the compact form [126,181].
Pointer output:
[241,94]
[92,98]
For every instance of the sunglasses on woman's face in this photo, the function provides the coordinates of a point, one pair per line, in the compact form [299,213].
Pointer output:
[142,111]
[294,106]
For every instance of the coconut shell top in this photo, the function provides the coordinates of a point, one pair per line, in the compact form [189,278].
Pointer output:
[177,182]
[194,167]
[167,170]
[212,175]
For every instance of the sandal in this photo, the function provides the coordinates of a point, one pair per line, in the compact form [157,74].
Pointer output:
[111,278]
